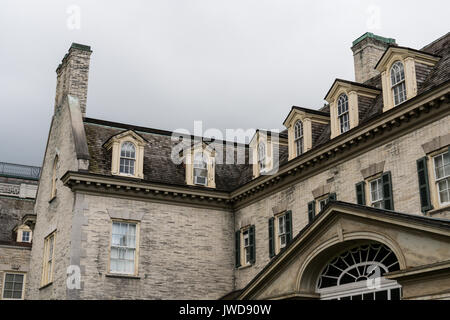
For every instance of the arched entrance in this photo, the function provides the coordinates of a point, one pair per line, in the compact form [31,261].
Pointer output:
[357,274]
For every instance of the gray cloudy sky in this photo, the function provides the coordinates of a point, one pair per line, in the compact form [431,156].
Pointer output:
[166,63]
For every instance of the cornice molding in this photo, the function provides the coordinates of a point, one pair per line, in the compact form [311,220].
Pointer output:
[385,127]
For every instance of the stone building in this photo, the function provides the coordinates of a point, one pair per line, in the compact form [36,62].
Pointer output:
[350,201]
[18,185]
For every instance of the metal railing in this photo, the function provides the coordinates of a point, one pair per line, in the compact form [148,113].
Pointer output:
[19,171]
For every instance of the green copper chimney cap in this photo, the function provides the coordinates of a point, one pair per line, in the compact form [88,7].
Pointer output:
[373,36]
[80,47]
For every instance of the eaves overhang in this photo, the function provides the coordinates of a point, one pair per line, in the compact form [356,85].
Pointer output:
[413,113]
[136,188]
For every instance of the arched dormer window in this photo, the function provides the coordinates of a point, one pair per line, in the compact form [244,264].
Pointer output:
[298,137]
[344,121]
[200,169]
[262,156]
[127,158]
[398,83]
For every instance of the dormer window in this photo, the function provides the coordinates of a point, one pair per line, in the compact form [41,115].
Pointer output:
[200,165]
[346,98]
[398,83]
[298,136]
[304,127]
[343,115]
[200,169]
[127,154]
[127,158]
[399,80]
[261,156]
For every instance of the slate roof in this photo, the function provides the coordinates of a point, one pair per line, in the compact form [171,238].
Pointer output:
[159,168]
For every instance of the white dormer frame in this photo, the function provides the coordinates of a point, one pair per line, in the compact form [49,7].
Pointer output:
[115,143]
[261,136]
[352,90]
[209,153]
[408,58]
[19,230]
[307,119]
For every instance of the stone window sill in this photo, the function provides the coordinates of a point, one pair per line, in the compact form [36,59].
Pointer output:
[438,210]
[245,267]
[51,200]
[46,285]
[124,276]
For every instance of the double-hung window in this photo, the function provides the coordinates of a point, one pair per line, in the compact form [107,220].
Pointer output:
[376,193]
[49,255]
[123,248]
[247,252]
[26,236]
[343,114]
[262,156]
[282,231]
[127,158]
[442,177]
[13,286]
[200,170]
[398,83]
[298,137]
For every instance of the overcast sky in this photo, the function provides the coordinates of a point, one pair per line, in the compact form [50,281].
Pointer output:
[166,63]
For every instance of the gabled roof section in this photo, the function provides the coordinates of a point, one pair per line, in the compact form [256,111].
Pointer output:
[418,54]
[420,223]
[361,87]
[295,109]
[137,137]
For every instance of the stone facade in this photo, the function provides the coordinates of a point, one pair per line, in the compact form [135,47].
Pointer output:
[186,244]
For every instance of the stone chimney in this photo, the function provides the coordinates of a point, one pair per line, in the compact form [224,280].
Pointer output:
[367,50]
[72,75]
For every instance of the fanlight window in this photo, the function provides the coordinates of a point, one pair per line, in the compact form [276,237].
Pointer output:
[398,83]
[262,156]
[343,115]
[200,169]
[357,274]
[127,158]
[298,137]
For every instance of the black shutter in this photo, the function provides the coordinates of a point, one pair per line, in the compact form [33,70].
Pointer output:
[238,248]
[271,238]
[288,229]
[332,197]
[311,211]
[361,193]
[251,240]
[387,191]
[424,188]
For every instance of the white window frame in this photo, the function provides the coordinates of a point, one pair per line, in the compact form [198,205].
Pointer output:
[28,238]
[246,245]
[343,115]
[201,165]
[4,285]
[398,83]
[261,156]
[445,178]
[281,220]
[127,158]
[126,247]
[48,259]
[298,138]
[378,192]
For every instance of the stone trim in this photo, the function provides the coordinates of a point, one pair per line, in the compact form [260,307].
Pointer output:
[436,144]
[125,214]
[373,169]
[321,191]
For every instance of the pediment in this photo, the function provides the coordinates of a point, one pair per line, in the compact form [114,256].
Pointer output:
[400,53]
[128,134]
[339,86]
